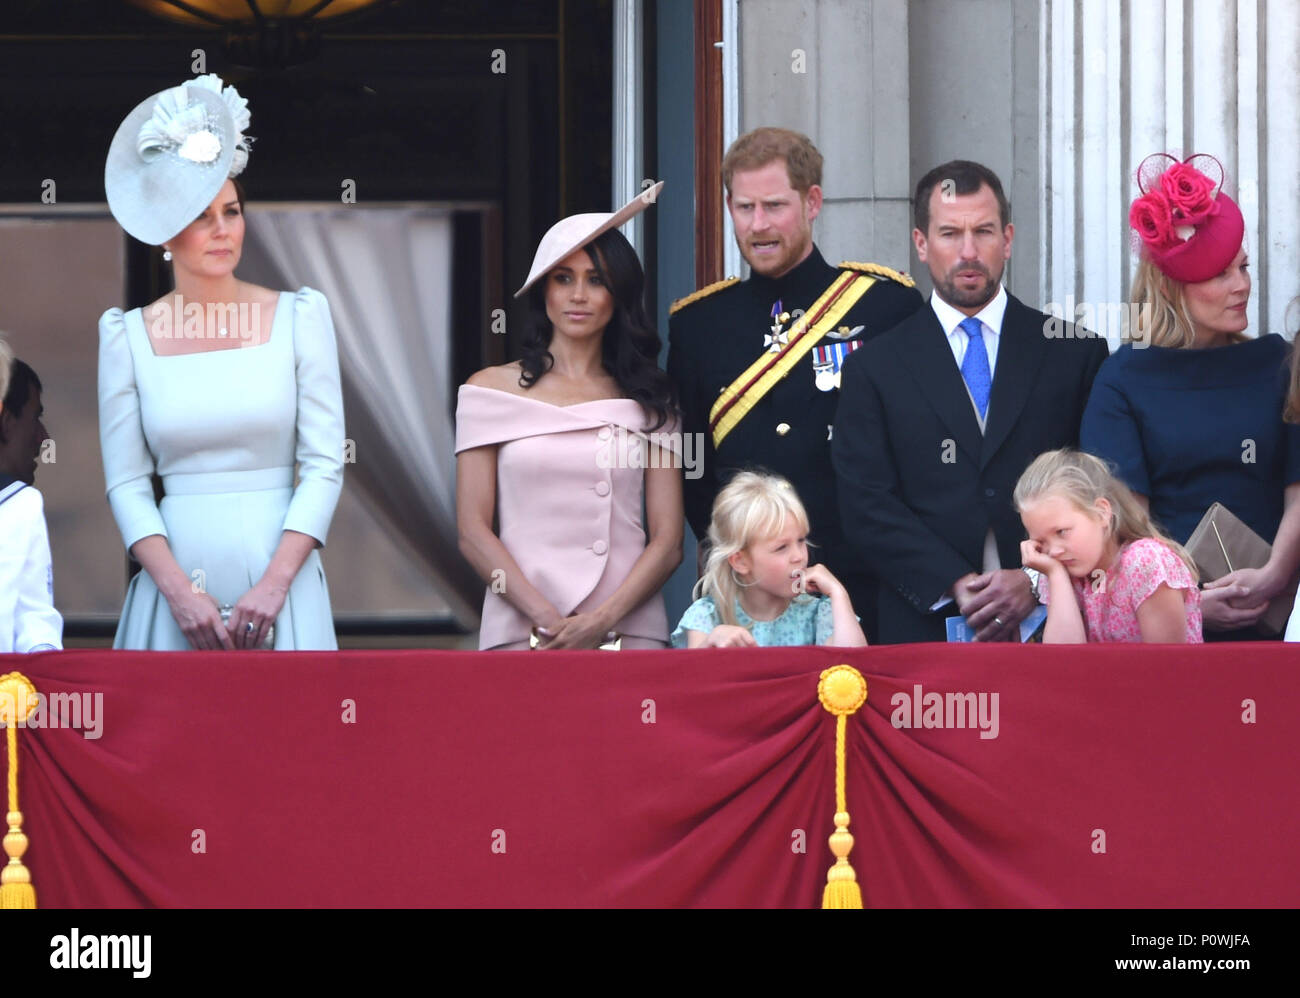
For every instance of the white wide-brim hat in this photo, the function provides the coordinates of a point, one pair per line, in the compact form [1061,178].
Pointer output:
[153,190]
[574,232]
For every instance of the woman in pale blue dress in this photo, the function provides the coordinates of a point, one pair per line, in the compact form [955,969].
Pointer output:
[226,390]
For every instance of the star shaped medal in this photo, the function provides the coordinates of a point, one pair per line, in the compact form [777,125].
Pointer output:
[778,337]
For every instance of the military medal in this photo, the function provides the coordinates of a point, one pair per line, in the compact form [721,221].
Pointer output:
[844,333]
[823,370]
[827,362]
[778,337]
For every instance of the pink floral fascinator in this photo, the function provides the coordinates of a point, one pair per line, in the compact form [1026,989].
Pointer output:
[1188,227]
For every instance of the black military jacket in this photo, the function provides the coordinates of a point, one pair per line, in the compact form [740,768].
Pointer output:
[715,334]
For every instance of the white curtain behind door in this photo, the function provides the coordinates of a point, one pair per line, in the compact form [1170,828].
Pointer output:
[387,275]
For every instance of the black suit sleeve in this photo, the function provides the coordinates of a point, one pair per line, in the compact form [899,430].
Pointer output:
[697,492]
[878,525]
[892,303]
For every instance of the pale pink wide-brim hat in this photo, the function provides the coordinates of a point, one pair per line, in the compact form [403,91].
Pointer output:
[574,232]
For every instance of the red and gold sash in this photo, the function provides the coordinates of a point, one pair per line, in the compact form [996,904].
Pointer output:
[738,398]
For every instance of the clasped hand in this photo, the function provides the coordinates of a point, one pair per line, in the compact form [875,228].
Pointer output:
[995,603]
[1236,600]
[582,630]
[260,606]
[198,616]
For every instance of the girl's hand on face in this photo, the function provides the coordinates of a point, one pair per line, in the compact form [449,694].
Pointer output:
[1032,556]
[730,636]
[818,580]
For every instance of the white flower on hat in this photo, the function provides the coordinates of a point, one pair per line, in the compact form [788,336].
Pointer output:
[179,124]
[174,119]
[200,147]
[238,107]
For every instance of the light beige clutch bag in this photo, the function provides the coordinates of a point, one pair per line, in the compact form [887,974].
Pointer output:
[1221,543]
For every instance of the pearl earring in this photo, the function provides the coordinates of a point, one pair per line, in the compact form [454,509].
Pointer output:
[167,255]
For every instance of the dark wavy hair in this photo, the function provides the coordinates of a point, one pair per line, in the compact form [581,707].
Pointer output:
[22,386]
[630,346]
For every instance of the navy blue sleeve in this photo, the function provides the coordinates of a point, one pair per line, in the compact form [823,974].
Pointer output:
[1110,427]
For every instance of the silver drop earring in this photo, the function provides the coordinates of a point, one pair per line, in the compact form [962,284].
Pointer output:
[167,255]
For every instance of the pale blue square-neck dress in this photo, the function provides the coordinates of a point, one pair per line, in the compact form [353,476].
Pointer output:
[224,429]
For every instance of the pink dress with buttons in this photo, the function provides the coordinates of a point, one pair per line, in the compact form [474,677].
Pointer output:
[1110,610]
[570,482]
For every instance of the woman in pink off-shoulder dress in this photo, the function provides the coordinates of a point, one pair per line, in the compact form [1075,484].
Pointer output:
[560,449]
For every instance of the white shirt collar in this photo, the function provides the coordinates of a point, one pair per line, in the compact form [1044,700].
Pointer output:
[990,315]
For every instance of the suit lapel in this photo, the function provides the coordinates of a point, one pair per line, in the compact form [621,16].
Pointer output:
[1021,348]
[928,355]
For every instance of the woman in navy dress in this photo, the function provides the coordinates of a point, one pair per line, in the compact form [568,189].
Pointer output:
[1190,409]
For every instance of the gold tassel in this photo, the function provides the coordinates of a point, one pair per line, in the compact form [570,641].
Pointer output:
[16,890]
[841,690]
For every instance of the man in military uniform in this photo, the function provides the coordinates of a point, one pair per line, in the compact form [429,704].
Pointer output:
[757,362]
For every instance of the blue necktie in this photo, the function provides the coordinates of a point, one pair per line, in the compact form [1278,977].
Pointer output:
[975,366]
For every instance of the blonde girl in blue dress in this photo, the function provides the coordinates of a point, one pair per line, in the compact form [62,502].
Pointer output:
[758,588]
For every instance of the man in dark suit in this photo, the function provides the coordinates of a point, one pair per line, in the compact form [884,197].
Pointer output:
[941,415]
[779,419]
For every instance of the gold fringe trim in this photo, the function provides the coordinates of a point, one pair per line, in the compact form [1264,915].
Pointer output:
[841,690]
[16,890]
[704,292]
[880,270]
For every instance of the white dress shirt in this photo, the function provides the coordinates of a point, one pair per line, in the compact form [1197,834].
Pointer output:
[990,317]
[28,620]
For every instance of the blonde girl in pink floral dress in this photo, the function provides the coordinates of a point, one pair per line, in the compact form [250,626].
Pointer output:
[1108,573]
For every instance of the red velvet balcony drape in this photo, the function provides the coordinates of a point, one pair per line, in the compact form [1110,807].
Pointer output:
[1119,776]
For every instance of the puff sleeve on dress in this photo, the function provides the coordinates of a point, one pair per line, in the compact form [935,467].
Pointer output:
[319,450]
[128,464]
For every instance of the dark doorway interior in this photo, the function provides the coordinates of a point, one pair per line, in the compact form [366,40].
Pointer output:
[506,102]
